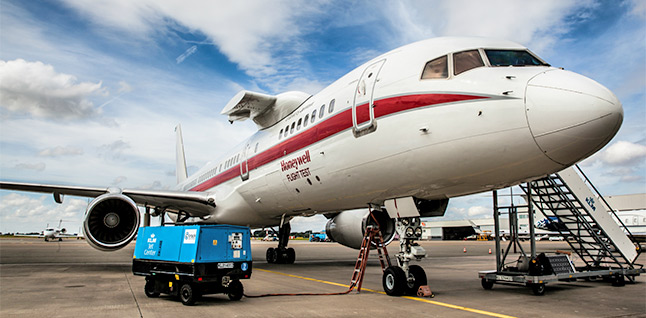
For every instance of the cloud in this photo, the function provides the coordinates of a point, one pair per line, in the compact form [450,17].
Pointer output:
[32,212]
[40,166]
[119,179]
[513,20]
[478,211]
[61,151]
[624,153]
[114,150]
[249,33]
[37,89]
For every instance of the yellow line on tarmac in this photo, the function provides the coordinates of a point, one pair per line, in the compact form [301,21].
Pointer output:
[477,311]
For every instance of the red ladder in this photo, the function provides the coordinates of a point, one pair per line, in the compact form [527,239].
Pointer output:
[372,236]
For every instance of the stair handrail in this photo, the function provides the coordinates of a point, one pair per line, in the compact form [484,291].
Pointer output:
[612,211]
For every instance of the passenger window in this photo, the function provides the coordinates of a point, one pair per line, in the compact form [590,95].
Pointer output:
[255,150]
[280,134]
[467,60]
[436,68]
[313,116]
[306,120]
[298,126]
[291,130]
[286,130]
[322,111]
[331,108]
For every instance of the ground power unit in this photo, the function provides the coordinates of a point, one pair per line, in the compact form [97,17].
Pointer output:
[193,260]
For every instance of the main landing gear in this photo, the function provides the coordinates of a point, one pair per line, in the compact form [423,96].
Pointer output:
[282,254]
[406,278]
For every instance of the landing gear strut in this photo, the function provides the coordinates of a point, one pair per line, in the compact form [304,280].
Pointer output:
[406,278]
[282,254]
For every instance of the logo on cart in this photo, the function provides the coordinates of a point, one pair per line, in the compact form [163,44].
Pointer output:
[152,238]
[189,236]
[244,267]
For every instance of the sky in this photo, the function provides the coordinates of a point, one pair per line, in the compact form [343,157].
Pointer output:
[90,91]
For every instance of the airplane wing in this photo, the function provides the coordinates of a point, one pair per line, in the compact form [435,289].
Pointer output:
[193,203]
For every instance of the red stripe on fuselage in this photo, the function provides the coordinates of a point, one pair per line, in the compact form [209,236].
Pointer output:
[334,125]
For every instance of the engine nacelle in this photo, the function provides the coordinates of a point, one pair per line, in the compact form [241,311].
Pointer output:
[349,227]
[111,222]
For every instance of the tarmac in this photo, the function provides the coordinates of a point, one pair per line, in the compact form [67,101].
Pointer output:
[71,279]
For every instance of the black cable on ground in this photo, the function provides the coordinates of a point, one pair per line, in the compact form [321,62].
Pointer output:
[303,294]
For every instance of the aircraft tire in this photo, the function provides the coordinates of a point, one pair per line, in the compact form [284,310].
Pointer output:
[272,255]
[236,290]
[419,277]
[187,294]
[291,256]
[394,281]
[149,289]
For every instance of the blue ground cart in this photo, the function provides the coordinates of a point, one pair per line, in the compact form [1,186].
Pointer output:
[193,260]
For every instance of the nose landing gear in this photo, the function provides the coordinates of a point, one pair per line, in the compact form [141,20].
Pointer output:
[405,278]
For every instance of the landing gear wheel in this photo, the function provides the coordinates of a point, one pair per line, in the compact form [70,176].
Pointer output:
[419,279]
[187,294]
[486,284]
[272,255]
[538,289]
[394,281]
[291,256]
[236,290]
[149,289]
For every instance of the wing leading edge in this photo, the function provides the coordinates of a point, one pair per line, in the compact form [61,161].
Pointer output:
[194,203]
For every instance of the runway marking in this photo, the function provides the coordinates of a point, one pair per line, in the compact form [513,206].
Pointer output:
[433,302]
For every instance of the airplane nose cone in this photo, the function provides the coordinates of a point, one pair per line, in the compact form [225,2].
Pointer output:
[570,115]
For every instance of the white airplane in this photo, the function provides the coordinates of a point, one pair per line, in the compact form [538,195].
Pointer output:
[51,233]
[400,134]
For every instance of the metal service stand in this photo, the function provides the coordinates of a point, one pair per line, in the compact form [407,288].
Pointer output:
[535,271]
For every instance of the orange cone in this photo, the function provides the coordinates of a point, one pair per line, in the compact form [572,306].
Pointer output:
[489,251]
[464,250]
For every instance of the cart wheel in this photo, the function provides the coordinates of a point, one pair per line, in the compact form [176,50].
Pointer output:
[291,256]
[619,281]
[486,284]
[187,294]
[419,279]
[538,289]
[272,255]
[236,290]
[149,289]
[394,281]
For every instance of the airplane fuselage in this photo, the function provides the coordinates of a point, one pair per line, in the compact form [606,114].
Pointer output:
[390,129]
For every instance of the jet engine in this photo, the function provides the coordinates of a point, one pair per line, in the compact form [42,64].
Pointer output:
[111,222]
[348,227]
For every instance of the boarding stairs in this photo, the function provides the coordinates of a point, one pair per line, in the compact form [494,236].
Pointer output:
[371,238]
[588,222]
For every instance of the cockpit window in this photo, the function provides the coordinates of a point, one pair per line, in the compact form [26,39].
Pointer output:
[436,68]
[467,60]
[512,58]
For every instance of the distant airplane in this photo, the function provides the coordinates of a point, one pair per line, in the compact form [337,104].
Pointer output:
[401,134]
[51,233]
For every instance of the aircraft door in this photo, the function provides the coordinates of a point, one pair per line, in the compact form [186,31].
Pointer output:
[244,165]
[363,114]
